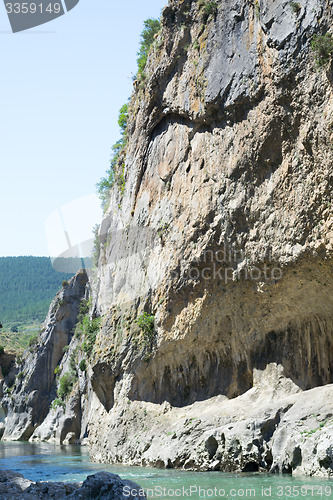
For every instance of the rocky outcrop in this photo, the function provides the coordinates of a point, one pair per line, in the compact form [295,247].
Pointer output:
[103,485]
[27,402]
[229,162]
[6,364]
[241,273]
[274,427]
[215,256]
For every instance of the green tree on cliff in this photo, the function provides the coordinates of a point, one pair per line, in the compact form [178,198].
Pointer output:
[151,28]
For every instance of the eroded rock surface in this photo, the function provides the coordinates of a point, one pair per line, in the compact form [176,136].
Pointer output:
[27,402]
[222,233]
[103,485]
[274,427]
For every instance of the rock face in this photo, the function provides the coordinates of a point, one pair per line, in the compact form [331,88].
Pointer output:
[214,284]
[27,403]
[103,485]
[274,426]
[6,363]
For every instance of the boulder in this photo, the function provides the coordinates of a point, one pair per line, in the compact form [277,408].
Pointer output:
[103,485]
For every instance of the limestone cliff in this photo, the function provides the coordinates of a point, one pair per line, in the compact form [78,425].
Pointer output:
[32,387]
[214,287]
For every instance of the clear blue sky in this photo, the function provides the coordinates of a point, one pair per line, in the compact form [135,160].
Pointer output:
[62,85]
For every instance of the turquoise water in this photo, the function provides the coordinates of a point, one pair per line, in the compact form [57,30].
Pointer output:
[43,462]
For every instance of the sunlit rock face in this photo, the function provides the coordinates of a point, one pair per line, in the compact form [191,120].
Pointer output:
[223,233]
[229,162]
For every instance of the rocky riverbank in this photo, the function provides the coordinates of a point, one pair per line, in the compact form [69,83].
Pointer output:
[272,427]
[14,486]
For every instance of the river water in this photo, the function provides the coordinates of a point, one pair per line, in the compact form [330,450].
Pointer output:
[44,462]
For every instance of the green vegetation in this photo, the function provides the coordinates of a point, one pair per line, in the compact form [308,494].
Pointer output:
[73,361]
[66,384]
[309,432]
[17,342]
[33,340]
[322,45]
[295,7]
[115,174]
[87,328]
[90,332]
[146,324]
[123,119]
[83,365]
[208,8]
[2,349]
[162,228]
[84,308]
[196,44]
[57,402]
[27,287]
[151,28]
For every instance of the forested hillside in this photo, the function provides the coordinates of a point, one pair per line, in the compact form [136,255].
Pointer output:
[27,286]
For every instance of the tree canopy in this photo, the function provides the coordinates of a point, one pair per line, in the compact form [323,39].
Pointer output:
[27,287]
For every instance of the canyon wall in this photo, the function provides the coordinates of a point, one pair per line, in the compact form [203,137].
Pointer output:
[214,287]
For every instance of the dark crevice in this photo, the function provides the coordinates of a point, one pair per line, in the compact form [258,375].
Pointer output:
[251,467]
